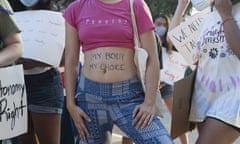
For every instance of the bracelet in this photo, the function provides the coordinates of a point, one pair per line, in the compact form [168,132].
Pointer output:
[224,21]
[227,20]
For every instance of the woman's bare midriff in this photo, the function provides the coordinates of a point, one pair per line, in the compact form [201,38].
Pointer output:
[109,64]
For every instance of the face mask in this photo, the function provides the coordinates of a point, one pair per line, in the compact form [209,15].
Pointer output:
[161,30]
[200,4]
[29,3]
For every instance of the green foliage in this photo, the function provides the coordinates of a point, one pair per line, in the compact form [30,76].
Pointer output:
[166,7]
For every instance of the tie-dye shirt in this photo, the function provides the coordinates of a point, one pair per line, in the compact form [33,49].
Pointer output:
[217,86]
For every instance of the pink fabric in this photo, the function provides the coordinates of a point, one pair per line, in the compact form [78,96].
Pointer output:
[101,25]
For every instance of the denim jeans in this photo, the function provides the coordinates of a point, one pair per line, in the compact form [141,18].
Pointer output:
[113,103]
[45,92]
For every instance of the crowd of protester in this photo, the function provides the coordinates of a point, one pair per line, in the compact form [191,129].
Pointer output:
[80,101]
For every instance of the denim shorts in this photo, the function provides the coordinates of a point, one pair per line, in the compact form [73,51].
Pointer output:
[45,92]
[166,91]
[113,103]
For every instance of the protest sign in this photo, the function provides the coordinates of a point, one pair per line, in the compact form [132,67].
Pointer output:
[13,103]
[182,98]
[43,34]
[174,66]
[184,36]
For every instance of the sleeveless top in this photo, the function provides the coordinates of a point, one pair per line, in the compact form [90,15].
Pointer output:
[217,87]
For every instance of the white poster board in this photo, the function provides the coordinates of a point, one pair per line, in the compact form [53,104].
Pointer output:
[174,66]
[184,36]
[43,34]
[13,103]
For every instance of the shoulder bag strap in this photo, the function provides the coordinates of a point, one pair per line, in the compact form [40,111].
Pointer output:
[134,24]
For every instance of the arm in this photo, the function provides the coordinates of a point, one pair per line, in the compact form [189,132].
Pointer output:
[143,114]
[148,41]
[178,14]
[231,29]
[72,49]
[71,63]
[12,49]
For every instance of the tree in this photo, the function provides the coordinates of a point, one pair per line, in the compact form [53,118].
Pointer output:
[166,7]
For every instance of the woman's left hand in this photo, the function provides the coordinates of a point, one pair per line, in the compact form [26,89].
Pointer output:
[143,115]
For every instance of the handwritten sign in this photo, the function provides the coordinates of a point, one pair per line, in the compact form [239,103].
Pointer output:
[13,103]
[185,35]
[43,34]
[174,66]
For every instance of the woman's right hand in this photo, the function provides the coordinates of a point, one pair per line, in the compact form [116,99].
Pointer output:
[79,116]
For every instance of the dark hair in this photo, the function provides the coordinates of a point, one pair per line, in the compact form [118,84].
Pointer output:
[42,4]
[16,5]
[169,46]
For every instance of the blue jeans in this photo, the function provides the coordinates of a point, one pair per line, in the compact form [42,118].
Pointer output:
[113,103]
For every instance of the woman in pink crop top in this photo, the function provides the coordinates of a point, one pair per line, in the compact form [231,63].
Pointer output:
[107,91]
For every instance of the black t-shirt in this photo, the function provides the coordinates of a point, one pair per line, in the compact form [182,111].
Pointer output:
[159,48]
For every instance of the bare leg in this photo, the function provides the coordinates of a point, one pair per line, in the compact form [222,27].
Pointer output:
[126,140]
[47,127]
[184,138]
[213,131]
[30,137]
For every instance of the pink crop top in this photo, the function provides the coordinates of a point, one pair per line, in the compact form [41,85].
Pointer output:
[100,24]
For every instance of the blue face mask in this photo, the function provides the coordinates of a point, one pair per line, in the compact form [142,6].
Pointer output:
[29,3]
[161,30]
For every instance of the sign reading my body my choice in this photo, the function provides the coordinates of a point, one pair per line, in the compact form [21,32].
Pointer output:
[13,103]
[43,34]
[184,36]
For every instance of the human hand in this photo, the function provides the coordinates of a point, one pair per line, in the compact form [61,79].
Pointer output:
[78,116]
[224,8]
[161,84]
[143,115]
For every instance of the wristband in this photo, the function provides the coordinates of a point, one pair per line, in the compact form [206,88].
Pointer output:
[227,20]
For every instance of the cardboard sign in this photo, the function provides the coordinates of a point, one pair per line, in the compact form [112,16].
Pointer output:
[174,66]
[184,36]
[13,103]
[43,34]
[182,96]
